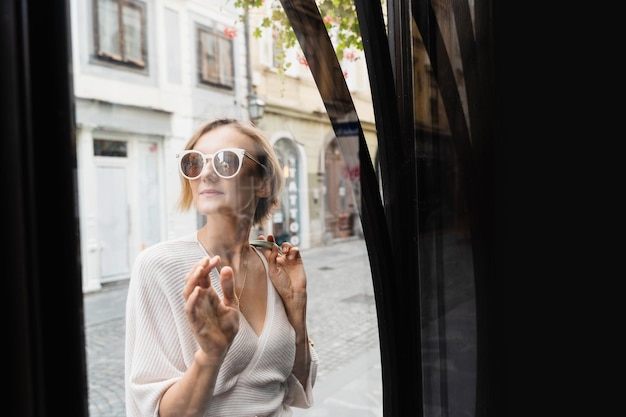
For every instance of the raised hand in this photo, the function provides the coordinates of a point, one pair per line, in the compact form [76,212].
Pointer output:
[287,274]
[213,320]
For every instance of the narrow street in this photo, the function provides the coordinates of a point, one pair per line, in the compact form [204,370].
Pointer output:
[341,318]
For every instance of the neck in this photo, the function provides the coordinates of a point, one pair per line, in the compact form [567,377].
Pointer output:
[230,243]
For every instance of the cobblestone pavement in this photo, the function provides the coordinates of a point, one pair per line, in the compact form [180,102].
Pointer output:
[341,319]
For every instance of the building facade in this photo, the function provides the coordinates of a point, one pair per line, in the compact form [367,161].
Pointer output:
[321,202]
[146,73]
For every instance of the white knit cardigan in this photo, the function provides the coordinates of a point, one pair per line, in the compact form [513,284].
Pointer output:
[255,378]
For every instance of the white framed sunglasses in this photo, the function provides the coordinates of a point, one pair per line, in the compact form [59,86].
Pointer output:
[226,162]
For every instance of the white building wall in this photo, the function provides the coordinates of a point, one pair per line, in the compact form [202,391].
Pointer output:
[165,103]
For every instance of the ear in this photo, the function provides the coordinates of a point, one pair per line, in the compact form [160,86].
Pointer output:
[263,189]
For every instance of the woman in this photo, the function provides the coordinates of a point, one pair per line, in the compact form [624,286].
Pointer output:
[216,326]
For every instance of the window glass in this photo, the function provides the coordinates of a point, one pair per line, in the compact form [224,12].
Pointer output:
[132,29]
[446,270]
[428,209]
[319,206]
[215,53]
[108,29]
[120,28]
[103,147]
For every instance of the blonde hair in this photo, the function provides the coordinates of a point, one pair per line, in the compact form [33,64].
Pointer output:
[264,153]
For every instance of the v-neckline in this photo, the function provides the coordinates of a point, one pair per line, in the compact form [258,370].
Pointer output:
[269,293]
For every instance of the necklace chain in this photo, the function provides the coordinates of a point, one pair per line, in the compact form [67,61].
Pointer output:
[245,275]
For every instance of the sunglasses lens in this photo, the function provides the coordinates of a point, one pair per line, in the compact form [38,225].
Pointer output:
[226,163]
[191,164]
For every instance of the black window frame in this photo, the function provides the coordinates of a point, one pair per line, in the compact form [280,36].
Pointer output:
[44,311]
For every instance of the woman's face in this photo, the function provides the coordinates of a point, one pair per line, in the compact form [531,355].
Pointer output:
[233,197]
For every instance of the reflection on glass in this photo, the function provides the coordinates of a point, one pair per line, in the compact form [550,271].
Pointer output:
[286,225]
[141,87]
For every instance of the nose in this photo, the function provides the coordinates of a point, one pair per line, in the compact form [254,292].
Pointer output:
[208,170]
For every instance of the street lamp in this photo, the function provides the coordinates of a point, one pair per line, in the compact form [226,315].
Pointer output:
[256,107]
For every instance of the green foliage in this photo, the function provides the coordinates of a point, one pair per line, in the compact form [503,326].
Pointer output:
[339,18]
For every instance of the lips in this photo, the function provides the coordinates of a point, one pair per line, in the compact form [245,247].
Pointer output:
[210,192]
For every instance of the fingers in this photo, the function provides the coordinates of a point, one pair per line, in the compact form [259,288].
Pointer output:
[213,262]
[269,237]
[198,276]
[291,252]
[227,281]
[274,253]
[192,299]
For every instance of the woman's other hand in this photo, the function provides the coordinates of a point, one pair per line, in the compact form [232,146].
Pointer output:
[287,274]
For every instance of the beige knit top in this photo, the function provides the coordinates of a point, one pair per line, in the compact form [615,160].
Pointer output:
[255,378]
